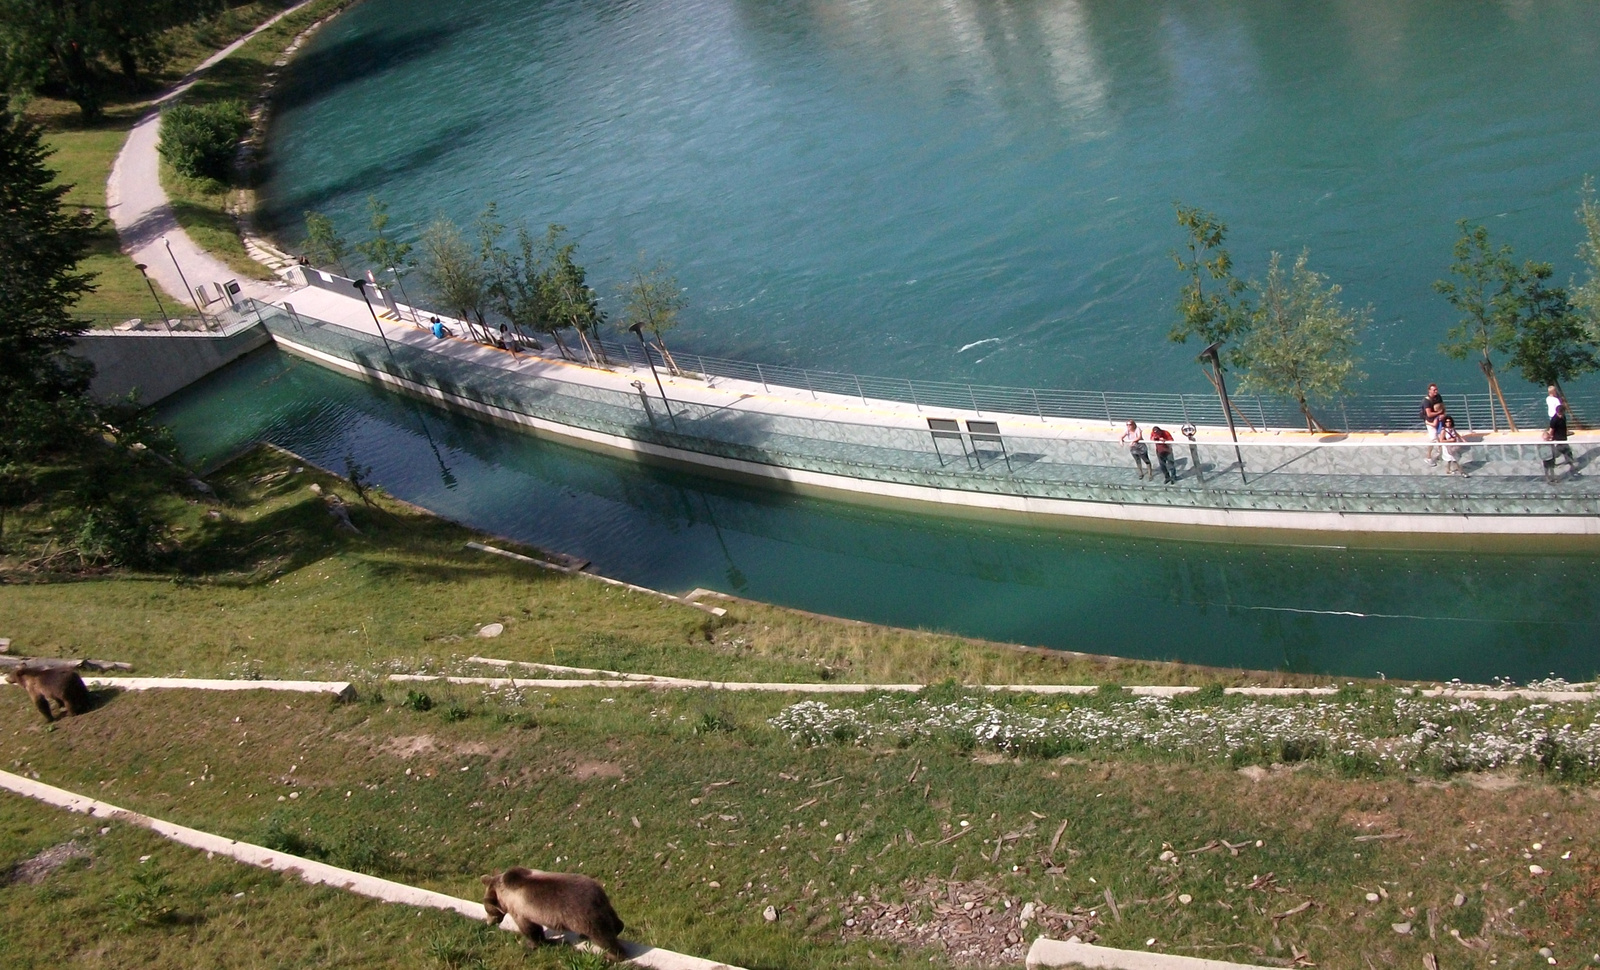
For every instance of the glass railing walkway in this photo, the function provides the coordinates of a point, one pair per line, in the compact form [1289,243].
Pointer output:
[1010,458]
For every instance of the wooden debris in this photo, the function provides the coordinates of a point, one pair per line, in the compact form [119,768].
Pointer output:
[1056,840]
[1291,912]
[1379,838]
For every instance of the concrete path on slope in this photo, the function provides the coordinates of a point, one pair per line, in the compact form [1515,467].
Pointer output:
[143,214]
[316,873]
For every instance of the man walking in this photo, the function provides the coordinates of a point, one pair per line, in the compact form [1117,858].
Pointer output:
[1169,466]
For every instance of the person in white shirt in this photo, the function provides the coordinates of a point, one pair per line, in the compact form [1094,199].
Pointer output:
[1552,400]
[1134,439]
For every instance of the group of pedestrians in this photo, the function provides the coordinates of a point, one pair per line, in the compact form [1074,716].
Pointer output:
[1133,438]
[1444,441]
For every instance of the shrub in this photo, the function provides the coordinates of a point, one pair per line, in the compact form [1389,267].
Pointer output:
[199,140]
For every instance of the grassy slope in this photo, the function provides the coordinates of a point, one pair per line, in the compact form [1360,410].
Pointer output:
[84,153]
[485,780]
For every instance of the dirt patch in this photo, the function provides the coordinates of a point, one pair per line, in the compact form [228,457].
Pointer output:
[974,922]
[410,745]
[36,870]
[589,770]
[1368,821]
[1493,780]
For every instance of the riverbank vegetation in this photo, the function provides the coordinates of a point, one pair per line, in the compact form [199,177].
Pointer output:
[702,809]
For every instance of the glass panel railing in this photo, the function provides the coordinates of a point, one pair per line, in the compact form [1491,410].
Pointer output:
[1305,472]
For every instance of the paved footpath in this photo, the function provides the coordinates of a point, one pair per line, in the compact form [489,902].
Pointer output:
[143,214]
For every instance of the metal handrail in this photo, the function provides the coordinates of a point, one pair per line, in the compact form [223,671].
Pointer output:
[1292,472]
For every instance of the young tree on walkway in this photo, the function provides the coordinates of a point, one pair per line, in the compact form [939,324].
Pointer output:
[385,253]
[572,302]
[1586,295]
[1486,292]
[41,243]
[1300,342]
[1553,346]
[455,272]
[1208,313]
[653,298]
[520,288]
[324,244]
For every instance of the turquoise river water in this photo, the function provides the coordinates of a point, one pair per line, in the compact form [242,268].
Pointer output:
[977,189]
[1351,612]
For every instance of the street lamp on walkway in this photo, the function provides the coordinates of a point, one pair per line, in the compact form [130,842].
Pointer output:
[638,331]
[162,307]
[361,287]
[203,321]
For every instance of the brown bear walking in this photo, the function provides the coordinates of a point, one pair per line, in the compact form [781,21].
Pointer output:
[59,685]
[562,901]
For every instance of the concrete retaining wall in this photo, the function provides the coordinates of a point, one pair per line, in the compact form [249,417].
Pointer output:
[157,364]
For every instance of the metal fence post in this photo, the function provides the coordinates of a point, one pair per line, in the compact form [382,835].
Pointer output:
[859,392]
[913,389]
[1107,405]
[1036,406]
[974,399]
[1467,400]
[763,378]
[808,384]
[1344,414]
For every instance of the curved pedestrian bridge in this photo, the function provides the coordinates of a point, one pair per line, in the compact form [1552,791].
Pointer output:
[1371,487]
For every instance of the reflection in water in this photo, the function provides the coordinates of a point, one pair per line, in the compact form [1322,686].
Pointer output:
[1360,613]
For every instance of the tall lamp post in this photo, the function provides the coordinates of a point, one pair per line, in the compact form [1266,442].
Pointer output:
[638,331]
[361,287]
[1209,356]
[164,321]
[192,296]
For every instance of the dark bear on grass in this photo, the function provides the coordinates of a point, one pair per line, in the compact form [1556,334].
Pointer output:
[562,901]
[59,686]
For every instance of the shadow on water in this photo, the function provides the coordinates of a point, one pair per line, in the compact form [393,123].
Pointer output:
[286,208]
[1361,613]
[322,71]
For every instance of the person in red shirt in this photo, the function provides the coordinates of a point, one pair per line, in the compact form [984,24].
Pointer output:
[1169,466]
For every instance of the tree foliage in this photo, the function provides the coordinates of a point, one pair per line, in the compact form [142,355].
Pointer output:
[572,301]
[383,251]
[652,299]
[1552,345]
[73,47]
[1586,295]
[521,292]
[200,140]
[457,273]
[1211,304]
[40,246]
[1300,342]
[325,245]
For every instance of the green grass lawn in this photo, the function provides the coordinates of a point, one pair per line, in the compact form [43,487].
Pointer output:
[695,812]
